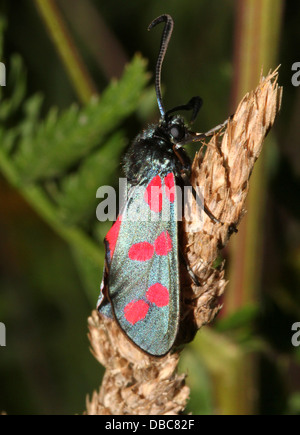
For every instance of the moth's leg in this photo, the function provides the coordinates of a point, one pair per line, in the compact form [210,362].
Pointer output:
[185,172]
[212,131]
[197,198]
[183,158]
[232,227]
[191,273]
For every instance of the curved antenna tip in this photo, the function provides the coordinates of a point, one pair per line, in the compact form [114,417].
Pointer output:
[167,32]
[164,17]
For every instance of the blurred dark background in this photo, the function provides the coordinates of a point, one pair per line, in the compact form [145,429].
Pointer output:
[46,367]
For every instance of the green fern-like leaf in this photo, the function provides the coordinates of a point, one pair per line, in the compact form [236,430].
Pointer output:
[60,142]
[77,202]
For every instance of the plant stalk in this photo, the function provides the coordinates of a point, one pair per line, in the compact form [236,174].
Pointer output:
[57,28]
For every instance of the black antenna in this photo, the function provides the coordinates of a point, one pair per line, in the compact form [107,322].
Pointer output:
[167,32]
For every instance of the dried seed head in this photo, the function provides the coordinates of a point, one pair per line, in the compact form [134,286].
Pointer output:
[223,174]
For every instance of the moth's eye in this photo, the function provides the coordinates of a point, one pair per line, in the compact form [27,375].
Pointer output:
[177,131]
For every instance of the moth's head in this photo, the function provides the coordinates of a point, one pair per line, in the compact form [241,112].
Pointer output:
[176,131]
[173,128]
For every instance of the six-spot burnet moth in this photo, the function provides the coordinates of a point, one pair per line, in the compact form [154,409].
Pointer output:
[141,286]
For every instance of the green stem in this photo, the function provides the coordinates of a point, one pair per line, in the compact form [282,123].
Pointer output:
[257,35]
[256,43]
[229,366]
[62,39]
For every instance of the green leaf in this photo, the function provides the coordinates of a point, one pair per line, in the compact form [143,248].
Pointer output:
[59,144]
[32,108]
[199,381]
[77,201]
[243,317]
[90,272]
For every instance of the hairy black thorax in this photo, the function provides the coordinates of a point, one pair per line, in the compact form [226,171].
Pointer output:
[152,152]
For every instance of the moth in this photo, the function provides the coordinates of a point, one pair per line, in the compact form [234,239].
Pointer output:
[141,283]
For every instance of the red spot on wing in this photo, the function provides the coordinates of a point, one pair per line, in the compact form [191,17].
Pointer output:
[136,311]
[158,295]
[163,244]
[112,235]
[141,251]
[153,194]
[170,186]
